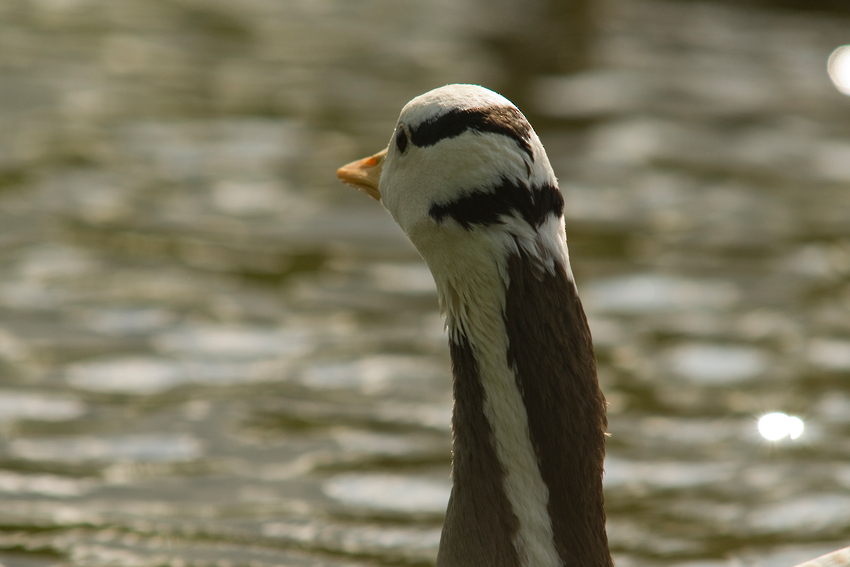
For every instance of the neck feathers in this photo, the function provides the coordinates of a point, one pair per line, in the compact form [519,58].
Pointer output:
[552,355]
[529,422]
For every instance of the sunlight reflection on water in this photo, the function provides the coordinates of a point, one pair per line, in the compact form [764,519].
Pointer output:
[839,68]
[777,425]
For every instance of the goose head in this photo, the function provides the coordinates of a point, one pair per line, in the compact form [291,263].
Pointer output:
[466,178]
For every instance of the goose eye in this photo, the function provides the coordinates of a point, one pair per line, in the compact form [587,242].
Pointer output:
[401,140]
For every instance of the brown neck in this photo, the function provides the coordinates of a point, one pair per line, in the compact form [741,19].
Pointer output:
[551,355]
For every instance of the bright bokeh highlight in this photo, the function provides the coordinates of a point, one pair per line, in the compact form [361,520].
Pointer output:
[839,68]
[777,425]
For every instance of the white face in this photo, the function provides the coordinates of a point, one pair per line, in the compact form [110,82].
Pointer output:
[468,181]
[433,159]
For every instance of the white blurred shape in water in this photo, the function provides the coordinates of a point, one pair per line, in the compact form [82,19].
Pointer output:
[43,484]
[834,406]
[389,492]
[806,514]
[838,67]
[225,341]
[371,539]
[404,278]
[646,293]
[777,425]
[129,321]
[50,261]
[717,364]
[247,197]
[664,474]
[32,406]
[375,443]
[370,375]
[144,448]
[829,353]
[149,375]
[129,375]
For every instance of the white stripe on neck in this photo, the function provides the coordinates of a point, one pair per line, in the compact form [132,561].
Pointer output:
[472,296]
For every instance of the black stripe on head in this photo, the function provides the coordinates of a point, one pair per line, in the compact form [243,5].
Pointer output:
[487,207]
[505,120]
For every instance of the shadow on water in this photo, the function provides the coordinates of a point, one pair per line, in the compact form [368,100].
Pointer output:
[213,353]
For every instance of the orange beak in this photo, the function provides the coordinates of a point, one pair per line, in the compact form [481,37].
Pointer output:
[364,174]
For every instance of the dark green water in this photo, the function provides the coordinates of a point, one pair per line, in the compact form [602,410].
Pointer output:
[213,353]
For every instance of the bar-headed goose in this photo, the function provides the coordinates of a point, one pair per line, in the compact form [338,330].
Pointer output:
[468,181]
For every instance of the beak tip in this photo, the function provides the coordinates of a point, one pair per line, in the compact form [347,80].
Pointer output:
[364,174]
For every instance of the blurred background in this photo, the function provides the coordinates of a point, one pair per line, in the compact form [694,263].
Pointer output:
[213,353]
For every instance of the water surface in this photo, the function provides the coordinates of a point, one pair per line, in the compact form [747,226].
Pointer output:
[212,353]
